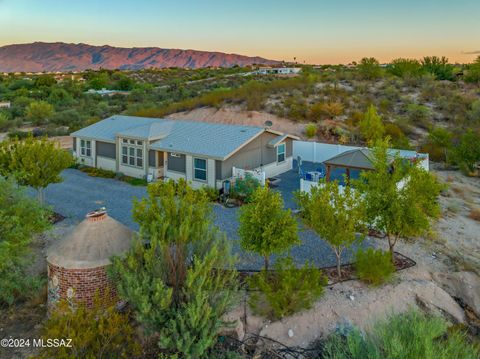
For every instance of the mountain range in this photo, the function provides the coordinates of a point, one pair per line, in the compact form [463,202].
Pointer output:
[59,56]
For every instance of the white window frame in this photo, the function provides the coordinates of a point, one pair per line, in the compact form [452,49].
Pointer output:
[200,169]
[85,148]
[284,152]
[130,153]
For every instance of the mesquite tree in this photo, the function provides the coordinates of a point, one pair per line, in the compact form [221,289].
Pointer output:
[336,214]
[34,162]
[401,197]
[266,227]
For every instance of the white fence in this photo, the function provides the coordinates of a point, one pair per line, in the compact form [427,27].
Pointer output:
[306,186]
[319,152]
[240,173]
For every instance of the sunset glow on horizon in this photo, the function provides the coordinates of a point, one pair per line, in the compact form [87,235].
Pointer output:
[311,31]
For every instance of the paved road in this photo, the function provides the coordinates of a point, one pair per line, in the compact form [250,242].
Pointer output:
[80,193]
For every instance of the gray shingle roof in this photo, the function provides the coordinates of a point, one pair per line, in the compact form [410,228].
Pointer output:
[360,158]
[197,138]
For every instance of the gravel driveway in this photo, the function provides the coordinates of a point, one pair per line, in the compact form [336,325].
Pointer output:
[80,193]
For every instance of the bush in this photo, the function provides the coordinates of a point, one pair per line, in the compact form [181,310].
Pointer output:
[244,188]
[409,335]
[97,172]
[287,290]
[374,266]
[310,130]
[95,332]
[211,193]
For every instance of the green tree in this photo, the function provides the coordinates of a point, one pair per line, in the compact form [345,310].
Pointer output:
[266,227]
[178,277]
[405,68]
[336,214]
[438,66]
[401,198]
[371,125]
[33,162]
[441,138]
[39,112]
[45,81]
[467,152]
[472,74]
[369,68]
[3,121]
[21,217]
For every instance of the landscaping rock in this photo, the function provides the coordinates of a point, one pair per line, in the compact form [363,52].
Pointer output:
[463,285]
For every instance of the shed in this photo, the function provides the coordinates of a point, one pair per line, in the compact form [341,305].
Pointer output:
[77,265]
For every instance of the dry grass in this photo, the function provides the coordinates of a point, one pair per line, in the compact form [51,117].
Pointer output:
[475,214]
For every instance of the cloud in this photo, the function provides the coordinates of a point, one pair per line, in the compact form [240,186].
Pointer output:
[471,52]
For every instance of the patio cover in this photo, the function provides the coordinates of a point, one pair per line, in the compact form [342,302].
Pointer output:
[358,159]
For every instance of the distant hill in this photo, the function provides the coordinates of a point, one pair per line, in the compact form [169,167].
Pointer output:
[59,56]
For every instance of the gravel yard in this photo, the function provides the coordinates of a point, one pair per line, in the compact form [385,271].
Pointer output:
[80,193]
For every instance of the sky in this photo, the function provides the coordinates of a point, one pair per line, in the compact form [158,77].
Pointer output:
[312,31]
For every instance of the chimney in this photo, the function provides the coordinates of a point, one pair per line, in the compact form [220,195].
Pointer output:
[97,215]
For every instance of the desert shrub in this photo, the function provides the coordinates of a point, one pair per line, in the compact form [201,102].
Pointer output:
[397,136]
[475,214]
[409,335]
[374,266]
[21,218]
[467,153]
[244,188]
[322,110]
[211,193]
[310,130]
[286,290]
[97,332]
[419,115]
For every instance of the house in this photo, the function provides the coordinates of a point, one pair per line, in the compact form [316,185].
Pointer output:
[200,152]
[278,70]
[105,92]
[5,104]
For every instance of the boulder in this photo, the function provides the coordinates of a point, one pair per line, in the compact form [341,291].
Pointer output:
[463,285]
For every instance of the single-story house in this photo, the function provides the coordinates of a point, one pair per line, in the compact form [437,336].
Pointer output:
[201,152]
[279,70]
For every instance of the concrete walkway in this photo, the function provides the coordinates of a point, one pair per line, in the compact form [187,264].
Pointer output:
[80,193]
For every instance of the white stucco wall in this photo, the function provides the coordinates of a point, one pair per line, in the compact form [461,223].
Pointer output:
[275,169]
[106,163]
[131,171]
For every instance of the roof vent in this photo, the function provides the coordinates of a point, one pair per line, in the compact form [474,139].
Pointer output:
[97,215]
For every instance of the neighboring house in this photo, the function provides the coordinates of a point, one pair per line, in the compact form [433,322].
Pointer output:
[5,104]
[279,70]
[203,153]
[105,92]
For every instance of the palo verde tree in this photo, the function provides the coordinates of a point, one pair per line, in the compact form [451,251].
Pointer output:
[336,214]
[21,217]
[401,197]
[178,276]
[33,162]
[266,227]
[371,125]
[369,68]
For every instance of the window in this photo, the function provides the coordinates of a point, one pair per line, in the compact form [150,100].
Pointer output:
[281,152]
[199,169]
[132,153]
[86,148]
